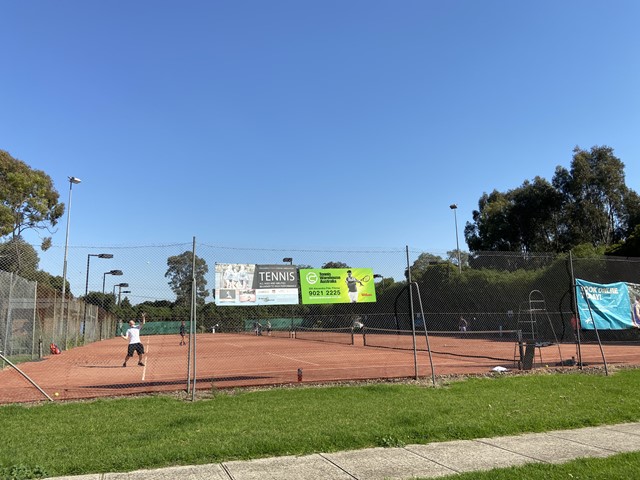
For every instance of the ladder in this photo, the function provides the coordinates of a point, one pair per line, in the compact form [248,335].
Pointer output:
[528,316]
[534,310]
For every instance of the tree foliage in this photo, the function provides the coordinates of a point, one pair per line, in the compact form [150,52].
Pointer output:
[104,300]
[180,274]
[28,199]
[524,219]
[422,263]
[594,191]
[158,310]
[630,248]
[452,257]
[125,310]
[587,203]
[335,265]
[17,256]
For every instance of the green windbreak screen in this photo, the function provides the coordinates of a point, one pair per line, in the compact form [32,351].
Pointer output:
[155,328]
[283,324]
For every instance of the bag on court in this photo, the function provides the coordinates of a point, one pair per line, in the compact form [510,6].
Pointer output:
[54,349]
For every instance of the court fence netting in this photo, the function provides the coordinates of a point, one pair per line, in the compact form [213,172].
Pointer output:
[500,312]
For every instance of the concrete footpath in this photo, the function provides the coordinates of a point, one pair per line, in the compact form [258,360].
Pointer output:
[427,461]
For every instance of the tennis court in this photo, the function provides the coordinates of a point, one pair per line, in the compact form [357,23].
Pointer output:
[227,360]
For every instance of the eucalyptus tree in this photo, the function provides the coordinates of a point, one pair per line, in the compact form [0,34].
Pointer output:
[335,265]
[587,203]
[491,228]
[525,219]
[180,273]
[19,257]
[597,202]
[28,199]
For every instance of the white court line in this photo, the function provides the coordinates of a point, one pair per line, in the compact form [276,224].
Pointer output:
[294,359]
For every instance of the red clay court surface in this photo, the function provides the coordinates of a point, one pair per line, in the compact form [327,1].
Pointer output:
[241,360]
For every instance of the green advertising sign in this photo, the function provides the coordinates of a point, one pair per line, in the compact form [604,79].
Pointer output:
[337,285]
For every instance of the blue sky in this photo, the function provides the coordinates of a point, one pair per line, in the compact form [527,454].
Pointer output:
[280,124]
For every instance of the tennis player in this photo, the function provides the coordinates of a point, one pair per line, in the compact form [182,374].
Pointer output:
[352,284]
[133,335]
[462,324]
[183,332]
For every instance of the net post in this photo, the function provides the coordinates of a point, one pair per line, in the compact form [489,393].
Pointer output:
[520,350]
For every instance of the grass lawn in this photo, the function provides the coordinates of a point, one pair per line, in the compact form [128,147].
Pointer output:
[156,431]
[623,466]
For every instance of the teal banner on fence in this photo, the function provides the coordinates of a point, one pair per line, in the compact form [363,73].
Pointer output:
[611,306]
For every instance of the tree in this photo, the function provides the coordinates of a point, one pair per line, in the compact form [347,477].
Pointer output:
[157,310]
[630,248]
[100,299]
[525,219]
[422,263]
[536,209]
[632,210]
[597,201]
[180,274]
[452,256]
[490,229]
[28,199]
[125,309]
[589,203]
[335,265]
[17,256]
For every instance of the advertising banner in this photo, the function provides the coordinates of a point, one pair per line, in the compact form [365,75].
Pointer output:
[337,285]
[248,284]
[611,306]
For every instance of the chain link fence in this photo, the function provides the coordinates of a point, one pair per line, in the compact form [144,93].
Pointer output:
[29,323]
[17,315]
[429,318]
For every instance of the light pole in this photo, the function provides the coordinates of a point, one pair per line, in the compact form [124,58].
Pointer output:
[120,287]
[111,272]
[377,275]
[288,260]
[72,180]
[121,292]
[86,286]
[454,207]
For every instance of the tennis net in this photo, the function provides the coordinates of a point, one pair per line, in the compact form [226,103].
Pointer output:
[342,335]
[490,344]
[281,333]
